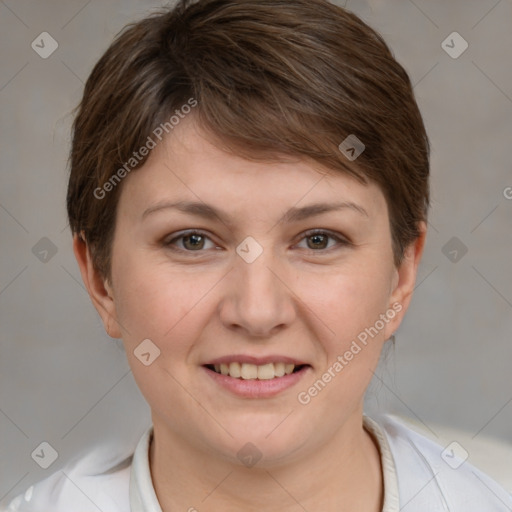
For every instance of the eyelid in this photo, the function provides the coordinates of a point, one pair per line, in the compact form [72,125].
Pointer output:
[341,240]
[169,243]
[319,231]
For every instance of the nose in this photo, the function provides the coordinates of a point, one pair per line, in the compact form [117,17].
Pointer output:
[258,300]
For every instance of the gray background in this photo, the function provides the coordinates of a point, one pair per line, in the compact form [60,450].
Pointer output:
[64,381]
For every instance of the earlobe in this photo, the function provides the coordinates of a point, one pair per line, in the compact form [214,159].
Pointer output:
[99,290]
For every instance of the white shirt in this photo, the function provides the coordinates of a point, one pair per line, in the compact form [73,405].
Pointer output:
[417,478]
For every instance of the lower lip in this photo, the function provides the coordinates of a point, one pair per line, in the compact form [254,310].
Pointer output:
[255,388]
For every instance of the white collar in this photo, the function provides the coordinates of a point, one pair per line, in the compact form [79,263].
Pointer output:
[142,492]
[391,493]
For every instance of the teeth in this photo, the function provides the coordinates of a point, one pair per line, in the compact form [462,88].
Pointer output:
[279,369]
[248,371]
[266,371]
[235,370]
[288,368]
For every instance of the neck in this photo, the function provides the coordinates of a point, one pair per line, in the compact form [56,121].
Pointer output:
[343,474]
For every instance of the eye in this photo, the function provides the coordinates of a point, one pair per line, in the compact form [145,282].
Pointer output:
[319,240]
[191,241]
[197,241]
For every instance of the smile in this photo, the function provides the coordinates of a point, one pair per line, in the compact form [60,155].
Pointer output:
[248,371]
[255,378]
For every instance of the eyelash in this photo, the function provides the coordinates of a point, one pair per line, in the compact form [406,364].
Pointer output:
[170,244]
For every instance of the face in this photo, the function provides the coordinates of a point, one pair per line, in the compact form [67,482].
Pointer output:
[261,269]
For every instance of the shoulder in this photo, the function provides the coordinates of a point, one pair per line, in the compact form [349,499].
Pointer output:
[432,477]
[80,488]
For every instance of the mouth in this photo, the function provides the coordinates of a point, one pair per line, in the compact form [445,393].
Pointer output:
[249,371]
[251,377]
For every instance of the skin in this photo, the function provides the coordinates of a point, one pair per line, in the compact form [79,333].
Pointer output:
[303,297]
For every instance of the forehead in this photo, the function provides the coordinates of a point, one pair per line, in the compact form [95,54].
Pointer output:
[190,165]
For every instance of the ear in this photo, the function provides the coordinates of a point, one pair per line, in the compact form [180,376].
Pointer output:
[405,280]
[100,291]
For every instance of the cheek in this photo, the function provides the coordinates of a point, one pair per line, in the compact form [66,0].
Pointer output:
[348,301]
[149,302]
[164,307]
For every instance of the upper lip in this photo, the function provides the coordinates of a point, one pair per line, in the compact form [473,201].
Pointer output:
[241,358]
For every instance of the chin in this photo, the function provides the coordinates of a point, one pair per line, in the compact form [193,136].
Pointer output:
[265,442]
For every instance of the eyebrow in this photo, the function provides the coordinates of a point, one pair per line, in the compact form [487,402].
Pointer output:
[294,214]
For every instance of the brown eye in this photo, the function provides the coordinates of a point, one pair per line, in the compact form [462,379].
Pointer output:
[323,241]
[192,242]
[318,241]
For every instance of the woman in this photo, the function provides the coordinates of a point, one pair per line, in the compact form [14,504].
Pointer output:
[248,199]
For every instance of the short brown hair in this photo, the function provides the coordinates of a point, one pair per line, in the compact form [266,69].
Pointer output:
[270,78]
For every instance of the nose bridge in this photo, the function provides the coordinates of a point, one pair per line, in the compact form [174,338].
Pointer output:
[258,300]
